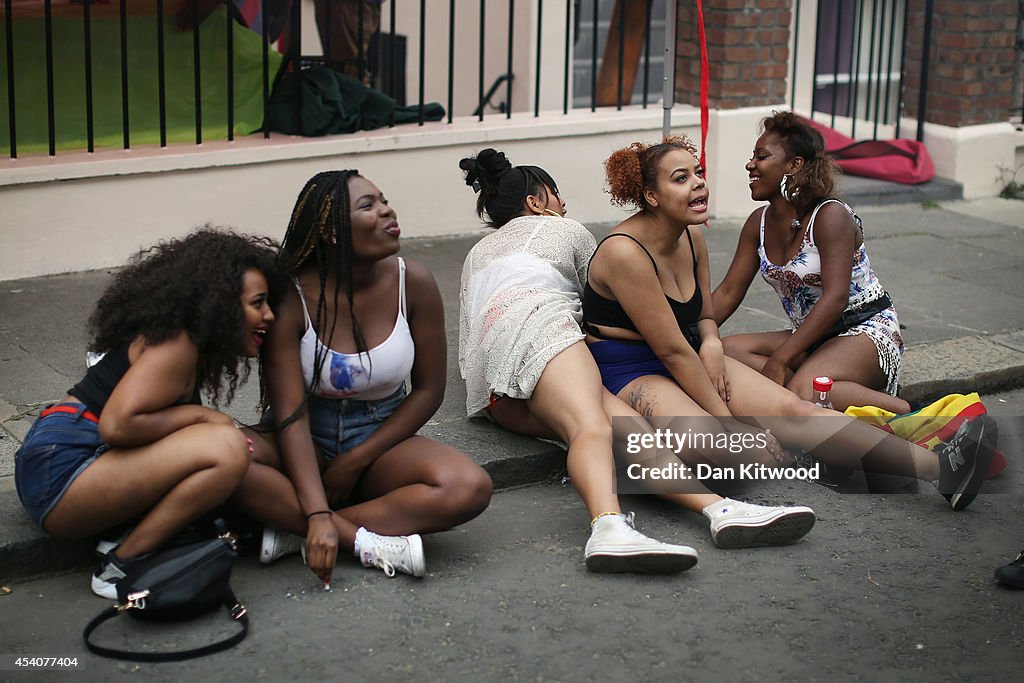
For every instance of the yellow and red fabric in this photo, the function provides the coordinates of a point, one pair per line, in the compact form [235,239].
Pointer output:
[932,424]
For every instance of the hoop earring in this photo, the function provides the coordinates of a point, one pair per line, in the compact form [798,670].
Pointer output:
[553,213]
[784,188]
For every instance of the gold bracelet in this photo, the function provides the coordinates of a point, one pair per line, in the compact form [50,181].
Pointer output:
[603,514]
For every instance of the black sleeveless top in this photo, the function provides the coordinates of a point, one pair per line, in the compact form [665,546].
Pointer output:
[597,310]
[98,384]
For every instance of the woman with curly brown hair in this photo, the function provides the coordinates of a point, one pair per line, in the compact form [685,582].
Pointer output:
[662,354]
[132,440]
[809,246]
[352,473]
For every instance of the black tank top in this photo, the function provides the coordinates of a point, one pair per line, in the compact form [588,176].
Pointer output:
[95,388]
[597,310]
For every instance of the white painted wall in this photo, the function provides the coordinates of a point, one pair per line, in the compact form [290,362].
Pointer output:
[731,137]
[801,44]
[974,155]
[80,212]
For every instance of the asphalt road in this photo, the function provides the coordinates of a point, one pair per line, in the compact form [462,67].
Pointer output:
[885,587]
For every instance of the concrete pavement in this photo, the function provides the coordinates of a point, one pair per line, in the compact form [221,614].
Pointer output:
[886,587]
[953,269]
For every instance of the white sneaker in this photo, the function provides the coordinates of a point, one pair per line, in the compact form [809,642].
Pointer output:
[735,524]
[615,546]
[392,553]
[277,544]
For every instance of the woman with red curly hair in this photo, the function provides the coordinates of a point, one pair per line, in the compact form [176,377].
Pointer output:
[662,354]
[809,246]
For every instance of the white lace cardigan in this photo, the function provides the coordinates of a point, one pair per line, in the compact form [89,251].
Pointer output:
[520,304]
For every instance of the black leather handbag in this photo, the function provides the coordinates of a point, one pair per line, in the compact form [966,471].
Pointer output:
[176,585]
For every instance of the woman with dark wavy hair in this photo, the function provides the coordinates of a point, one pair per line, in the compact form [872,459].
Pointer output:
[358,321]
[809,246]
[132,440]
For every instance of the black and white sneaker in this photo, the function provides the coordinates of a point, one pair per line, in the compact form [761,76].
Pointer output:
[1012,574]
[964,459]
[112,569]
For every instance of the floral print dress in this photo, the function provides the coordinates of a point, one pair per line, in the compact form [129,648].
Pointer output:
[798,284]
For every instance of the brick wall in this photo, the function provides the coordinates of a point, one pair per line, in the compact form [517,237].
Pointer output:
[748,52]
[970,78]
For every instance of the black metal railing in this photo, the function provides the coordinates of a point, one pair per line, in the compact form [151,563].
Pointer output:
[857,46]
[139,72]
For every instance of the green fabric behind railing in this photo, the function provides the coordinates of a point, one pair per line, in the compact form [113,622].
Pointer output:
[143,102]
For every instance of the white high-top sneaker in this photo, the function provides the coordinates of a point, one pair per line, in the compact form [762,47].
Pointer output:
[615,546]
[735,524]
[392,553]
[276,544]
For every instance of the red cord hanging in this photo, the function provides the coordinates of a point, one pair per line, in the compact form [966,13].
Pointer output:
[704,96]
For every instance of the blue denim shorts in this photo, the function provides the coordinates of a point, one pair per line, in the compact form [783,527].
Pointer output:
[340,424]
[57,448]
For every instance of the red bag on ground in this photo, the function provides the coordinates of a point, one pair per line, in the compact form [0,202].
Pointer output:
[899,161]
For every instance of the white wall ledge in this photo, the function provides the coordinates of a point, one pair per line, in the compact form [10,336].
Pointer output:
[255,149]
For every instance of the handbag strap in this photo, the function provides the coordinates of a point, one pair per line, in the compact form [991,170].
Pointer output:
[237,612]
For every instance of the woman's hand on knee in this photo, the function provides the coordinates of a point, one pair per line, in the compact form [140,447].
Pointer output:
[713,358]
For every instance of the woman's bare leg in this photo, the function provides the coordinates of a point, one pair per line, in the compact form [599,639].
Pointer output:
[734,524]
[419,486]
[655,396]
[514,415]
[754,348]
[569,398]
[688,493]
[839,440]
[268,495]
[170,482]
[852,363]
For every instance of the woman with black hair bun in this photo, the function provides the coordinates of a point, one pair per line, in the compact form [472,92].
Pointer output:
[843,324]
[352,473]
[132,441]
[519,338]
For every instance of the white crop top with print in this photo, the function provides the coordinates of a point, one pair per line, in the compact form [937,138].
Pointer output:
[369,376]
